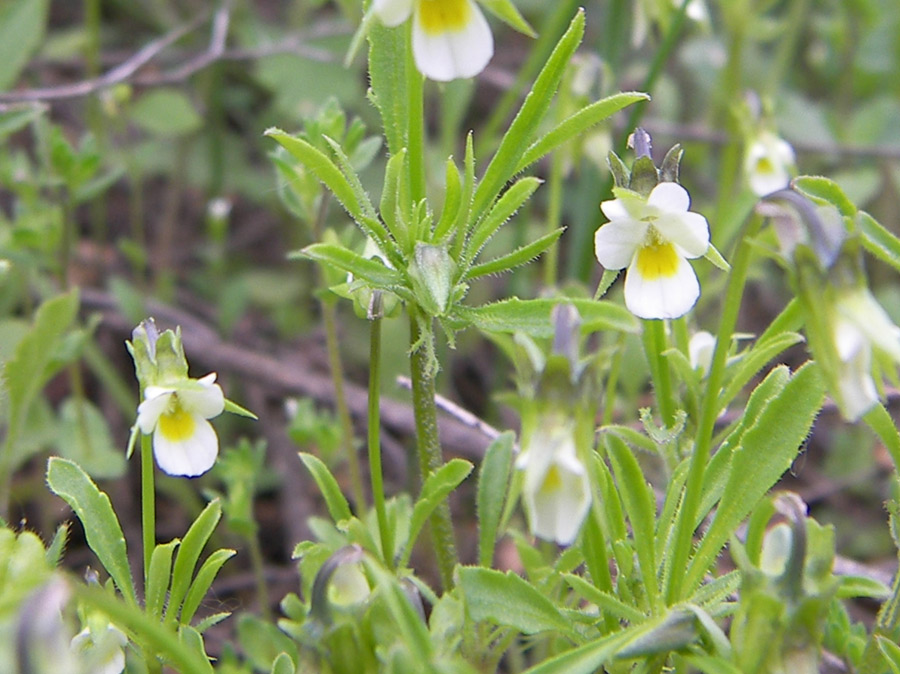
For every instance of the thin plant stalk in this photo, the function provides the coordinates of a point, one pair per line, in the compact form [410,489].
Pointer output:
[336,366]
[429,448]
[415,136]
[555,199]
[259,571]
[709,410]
[148,502]
[374,431]
[655,344]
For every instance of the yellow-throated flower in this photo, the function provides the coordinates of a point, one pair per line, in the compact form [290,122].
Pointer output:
[451,38]
[768,163]
[654,237]
[556,492]
[184,442]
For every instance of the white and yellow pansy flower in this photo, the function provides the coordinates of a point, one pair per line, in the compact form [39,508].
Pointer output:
[184,442]
[556,492]
[654,238]
[769,163]
[860,325]
[451,39]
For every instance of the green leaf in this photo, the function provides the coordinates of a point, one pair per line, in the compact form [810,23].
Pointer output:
[637,497]
[824,189]
[507,12]
[101,526]
[891,652]
[493,485]
[878,240]
[606,602]
[371,270]
[497,216]
[353,180]
[337,505]
[519,256]
[188,553]
[390,197]
[387,74]
[514,143]
[158,576]
[436,488]
[862,586]
[166,112]
[753,361]
[22,27]
[882,424]
[453,202]
[507,599]
[532,317]
[204,580]
[578,123]
[412,630]
[322,167]
[84,438]
[283,665]
[766,451]
[18,116]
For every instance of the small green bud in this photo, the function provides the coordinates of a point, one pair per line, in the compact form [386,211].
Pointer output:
[431,272]
[158,358]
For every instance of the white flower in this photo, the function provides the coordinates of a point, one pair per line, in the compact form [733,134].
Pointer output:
[451,38]
[184,442]
[556,493]
[654,238]
[700,350]
[104,652]
[768,164]
[859,325]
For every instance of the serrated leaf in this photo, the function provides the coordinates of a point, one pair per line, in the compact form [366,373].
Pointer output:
[509,600]
[371,270]
[337,505]
[387,74]
[22,27]
[188,553]
[608,603]
[493,485]
[503,210]
[878,240]
[518,257]
[577,124]
[766,451]
[532,317]
[862,586]
[514,143]
[453,202]
[436,488]
[101,526]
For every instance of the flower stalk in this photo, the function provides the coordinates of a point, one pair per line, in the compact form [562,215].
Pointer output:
[374,431]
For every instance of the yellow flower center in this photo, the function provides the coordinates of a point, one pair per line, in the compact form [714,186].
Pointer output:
[765,166]
[175,423]
[441,16]
[657,259]
[552,480]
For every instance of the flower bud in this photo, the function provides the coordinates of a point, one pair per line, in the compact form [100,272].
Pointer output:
[431,272]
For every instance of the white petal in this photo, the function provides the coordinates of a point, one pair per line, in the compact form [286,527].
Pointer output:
[670,197]
[862,311]
[557,513]
[207,402]
[688,231]
[452,54]
[150,410]
[616,242]
[661,297]
[857,390]
[700,349]
[392,12]
[190,457]
[615,209]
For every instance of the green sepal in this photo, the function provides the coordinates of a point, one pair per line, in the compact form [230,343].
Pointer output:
[507,12]
[234,408]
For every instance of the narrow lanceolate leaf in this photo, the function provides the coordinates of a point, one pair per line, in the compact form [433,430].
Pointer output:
[204,580]
[637,497]
[337,505]
[754,360]
[518,257]
[188,553]
[502,211]
[766,451]
[493,484]
[877,240]
[387,74]
[158,577]
[509,600]
[371,270]
[533,316]
[101,526]
[437,487]
[577,124]
[521,131]
[352,178]
[453,201]
[507,12]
